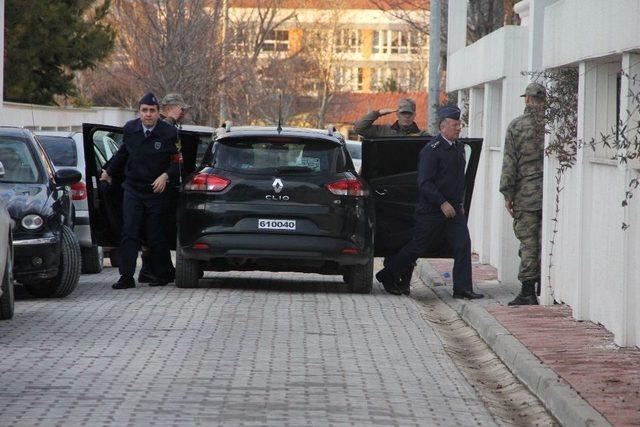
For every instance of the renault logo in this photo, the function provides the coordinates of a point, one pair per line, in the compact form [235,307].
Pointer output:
[277,185]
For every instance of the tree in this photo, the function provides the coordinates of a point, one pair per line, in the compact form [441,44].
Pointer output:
[48,41]
[169,46]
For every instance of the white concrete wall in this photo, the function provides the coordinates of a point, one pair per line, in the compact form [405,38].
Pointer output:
[41,117]
[494,84]
[577,30]
[593,264]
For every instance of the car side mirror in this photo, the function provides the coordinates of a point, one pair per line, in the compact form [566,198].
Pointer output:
[1,170]
[68,176]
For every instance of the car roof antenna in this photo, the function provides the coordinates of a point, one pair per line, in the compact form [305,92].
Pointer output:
[279,128]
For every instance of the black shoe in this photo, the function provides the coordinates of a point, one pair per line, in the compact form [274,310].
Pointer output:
[524,300]
[467,295]
[383,277]
[406,290]
[158,283]
[124,283]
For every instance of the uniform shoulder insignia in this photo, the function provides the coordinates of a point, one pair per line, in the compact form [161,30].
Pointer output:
[434,144]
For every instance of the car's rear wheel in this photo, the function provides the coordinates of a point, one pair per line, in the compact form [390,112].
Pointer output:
[92,259]
[7,298]
[68,272]
[360,278]
[188,271]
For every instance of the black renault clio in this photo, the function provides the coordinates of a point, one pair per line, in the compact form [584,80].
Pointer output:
[269,199]
[276,200]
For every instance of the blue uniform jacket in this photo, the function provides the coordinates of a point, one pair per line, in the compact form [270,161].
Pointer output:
[441,170]
[143,159]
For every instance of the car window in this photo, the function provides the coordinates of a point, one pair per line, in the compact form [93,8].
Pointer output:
[355,149]
[61,150]
[18,161]
[107,143]
[273,155]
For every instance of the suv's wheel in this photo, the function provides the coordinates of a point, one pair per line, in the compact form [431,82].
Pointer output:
[68,272]
[92,258]
[188,271]
[7,298]
[360,278]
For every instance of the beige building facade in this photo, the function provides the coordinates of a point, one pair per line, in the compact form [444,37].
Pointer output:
[370,50]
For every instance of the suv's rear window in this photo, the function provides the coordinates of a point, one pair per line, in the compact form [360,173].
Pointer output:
[61,150]
[279,155]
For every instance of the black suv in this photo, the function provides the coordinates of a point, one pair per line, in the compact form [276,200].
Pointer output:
[46,251]
[286,200]
[262,198]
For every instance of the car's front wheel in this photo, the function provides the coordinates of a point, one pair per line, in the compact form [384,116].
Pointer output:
[188,271]
[92,259]
[68,272]
[7,298]
[359,279]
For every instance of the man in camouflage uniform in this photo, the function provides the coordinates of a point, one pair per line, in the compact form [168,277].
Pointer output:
[173,109]
[521,185]
[404,126]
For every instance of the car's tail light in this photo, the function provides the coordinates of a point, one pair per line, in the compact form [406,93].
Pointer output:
[78,191]
[347,187]
[207,182]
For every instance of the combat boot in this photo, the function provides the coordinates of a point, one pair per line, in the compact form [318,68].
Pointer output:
[527,294]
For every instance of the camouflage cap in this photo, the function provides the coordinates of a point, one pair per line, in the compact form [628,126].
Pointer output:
[536,90]
[407,105]
[174,99]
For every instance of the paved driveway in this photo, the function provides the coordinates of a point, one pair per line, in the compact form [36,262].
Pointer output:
[249,349]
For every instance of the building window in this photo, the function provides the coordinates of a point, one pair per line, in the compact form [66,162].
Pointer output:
[276,41]
[397,42]
[348,41]
[396,79]
[351,78]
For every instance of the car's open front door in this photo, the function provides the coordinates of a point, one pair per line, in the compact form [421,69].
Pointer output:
[105,200]
[390,166]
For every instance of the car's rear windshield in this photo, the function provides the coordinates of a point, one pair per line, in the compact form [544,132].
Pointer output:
[61,150]
[279,156]
[17,161]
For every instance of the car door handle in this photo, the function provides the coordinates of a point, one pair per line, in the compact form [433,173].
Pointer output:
[382,192]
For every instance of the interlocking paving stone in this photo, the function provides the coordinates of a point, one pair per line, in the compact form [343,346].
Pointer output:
[247,349]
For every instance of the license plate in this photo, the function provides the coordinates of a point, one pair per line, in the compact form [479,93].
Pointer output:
[277,224]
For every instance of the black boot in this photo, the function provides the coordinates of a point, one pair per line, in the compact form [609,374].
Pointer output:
[125,282]
[383,276]
[527,294]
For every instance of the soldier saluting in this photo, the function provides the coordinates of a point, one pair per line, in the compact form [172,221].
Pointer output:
[439,214]
[521,185]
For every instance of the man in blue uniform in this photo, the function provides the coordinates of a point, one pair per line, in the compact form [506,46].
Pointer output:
[440,212]
[148,160]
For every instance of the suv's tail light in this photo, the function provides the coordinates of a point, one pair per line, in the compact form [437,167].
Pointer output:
[347,187]
[78,191]
[206,182]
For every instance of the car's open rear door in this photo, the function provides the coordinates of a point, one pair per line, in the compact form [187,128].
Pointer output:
[390,167]
[105,200]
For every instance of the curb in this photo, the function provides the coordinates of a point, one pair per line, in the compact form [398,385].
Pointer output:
[554,392]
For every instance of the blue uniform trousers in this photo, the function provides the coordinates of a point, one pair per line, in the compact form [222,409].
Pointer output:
[430,230]
[146,212]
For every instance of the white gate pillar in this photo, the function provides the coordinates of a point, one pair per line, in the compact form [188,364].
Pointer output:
[629,114]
